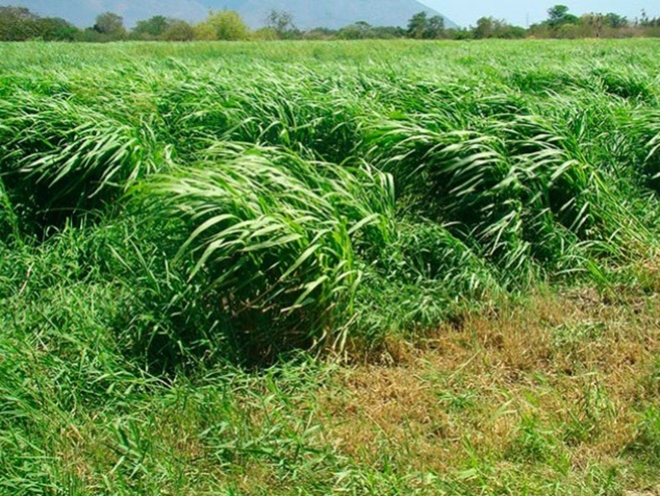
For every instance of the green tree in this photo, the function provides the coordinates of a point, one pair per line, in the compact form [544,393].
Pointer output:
[18,24]
[152,28]
[204,31]
[435,27]
[358,31]
[388,32]
[510,32]
[418,25]
[111,25]
[591,25]
[484,28]
[559,15]
[56,29]
[178,31]
[459,33]
[281,22]
[489,27]
[320,34]
[222,25]
[616,21]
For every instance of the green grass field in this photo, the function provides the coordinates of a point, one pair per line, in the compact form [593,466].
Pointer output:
[316,268]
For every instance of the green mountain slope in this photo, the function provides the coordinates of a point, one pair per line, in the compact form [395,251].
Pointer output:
[307,14]
[328,13]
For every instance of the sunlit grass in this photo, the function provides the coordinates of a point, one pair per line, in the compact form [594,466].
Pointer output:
[188,232]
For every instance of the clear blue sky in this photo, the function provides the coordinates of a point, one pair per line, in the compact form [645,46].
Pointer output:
[465,12]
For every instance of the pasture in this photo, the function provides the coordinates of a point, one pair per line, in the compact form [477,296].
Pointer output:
[354,267]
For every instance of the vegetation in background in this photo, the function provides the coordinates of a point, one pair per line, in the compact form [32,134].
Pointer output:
[421,26]
[19,24]
[224,25]
[255,268]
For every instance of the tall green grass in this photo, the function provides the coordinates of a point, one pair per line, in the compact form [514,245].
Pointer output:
[276,239]
[169,212]
[298,204]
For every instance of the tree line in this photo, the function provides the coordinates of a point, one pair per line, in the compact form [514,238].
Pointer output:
[20,24]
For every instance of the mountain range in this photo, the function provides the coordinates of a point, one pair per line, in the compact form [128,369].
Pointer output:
[307,14]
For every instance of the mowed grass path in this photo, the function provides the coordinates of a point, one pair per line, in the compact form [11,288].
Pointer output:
[316,268]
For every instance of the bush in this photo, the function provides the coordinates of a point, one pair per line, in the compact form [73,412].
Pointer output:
[225,25]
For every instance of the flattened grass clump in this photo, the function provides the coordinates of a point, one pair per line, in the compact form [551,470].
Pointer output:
[628,83]
[276,240]
[519,193]
[8,221]
[645,127]
[63,158]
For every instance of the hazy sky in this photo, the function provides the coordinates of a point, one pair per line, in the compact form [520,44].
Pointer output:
[465,12]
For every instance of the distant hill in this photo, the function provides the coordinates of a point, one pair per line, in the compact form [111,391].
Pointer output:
[328,13]
[307,13]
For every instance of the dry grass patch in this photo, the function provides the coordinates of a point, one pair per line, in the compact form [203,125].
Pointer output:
[561,381]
